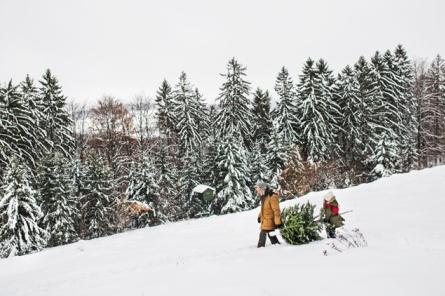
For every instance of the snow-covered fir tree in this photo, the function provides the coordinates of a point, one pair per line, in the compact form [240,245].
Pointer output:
[383,158]
[143,187]
[368,113]
[20,137]
[164,114]
[57,122]
[97,199]
[30,95]
[353,126]
[276,157]
[33,103]
[20,232]
[189,177]
[234,113]
[387,101]
[233,193]
[233,125]
[57,200]
[318,112]
[188,112]
[167,180]
[204,111]
[210,164]
[77,178]
[262,120]
[258,166]
[434,113]
[285,113]
[403,69]
[389,105]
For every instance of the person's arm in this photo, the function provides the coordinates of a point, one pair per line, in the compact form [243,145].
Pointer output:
[327,214]
[322,214]
[275,204]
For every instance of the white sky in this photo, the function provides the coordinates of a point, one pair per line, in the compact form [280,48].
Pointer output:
[128,47]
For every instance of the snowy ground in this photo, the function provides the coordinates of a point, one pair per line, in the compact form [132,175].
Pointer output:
[402,217]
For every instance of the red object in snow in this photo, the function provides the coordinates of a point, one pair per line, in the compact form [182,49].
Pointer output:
[334,209]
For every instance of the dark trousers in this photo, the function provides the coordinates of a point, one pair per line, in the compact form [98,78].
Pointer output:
[262,239]
[330,231]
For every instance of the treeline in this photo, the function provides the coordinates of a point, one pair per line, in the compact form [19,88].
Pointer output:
[69,172]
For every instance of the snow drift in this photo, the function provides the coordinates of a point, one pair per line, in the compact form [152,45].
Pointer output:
[402,217]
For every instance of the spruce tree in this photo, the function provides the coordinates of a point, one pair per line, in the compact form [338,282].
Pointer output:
[97,199]
[58,202]
[33,103]
[372,125]
[300,225]
[434,117]
[77,178]
[262,121]
[276,157]
[285,113]
[56,122]
[204,127]
[233,193]
[353,121]
[164,114]
[142,187]
[405,76]
[387,102]
[189,177]
[258,166]
[387,108]
[188,112]
[234,114]
[383,158]
[20,136]
[167,181]
[19,214]
[210,165]
[318,112]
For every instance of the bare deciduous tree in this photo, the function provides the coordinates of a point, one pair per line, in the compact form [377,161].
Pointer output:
[79,116]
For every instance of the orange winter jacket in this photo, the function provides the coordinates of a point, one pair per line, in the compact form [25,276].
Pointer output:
[270,214]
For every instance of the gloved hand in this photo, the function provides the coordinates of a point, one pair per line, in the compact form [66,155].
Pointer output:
[259,219]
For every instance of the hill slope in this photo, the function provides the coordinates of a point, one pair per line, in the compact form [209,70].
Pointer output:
[401,216]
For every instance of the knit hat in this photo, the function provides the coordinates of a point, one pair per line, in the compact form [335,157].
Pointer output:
[329,196]
[262,185]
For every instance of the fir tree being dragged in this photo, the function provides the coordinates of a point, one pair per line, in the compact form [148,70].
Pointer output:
[299,224]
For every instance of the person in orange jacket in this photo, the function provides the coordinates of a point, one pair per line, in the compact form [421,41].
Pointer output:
[270,214]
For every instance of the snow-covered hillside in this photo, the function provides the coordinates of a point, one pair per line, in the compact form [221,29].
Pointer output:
[401,216]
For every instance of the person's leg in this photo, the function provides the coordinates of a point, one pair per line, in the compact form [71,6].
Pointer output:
[330,231]
[262,239]
[273,238]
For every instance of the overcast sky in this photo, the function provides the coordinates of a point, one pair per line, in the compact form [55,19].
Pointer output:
[124,48]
